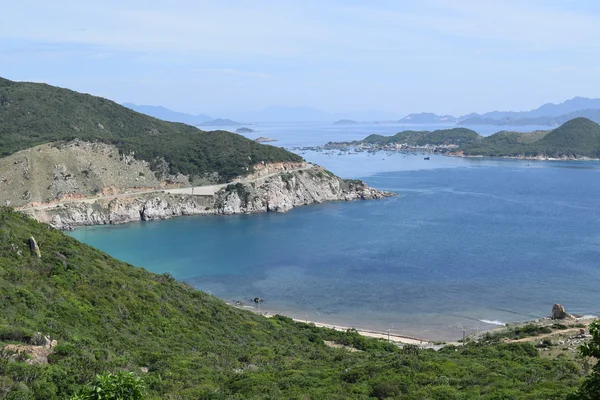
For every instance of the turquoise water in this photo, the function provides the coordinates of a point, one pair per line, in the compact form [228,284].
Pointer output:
[466,243]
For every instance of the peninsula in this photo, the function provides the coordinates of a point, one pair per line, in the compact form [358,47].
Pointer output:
[71,159]
[577,139]
[442,140]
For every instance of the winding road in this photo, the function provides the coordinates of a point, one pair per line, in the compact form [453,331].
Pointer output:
[208,190]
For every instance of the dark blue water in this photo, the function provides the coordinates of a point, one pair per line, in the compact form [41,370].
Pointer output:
[467,241]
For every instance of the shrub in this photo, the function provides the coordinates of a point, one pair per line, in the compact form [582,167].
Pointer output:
[119,386]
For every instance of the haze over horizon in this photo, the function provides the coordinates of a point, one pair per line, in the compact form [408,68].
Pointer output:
[339,57]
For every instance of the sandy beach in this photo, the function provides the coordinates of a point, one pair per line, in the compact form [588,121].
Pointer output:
[392,337]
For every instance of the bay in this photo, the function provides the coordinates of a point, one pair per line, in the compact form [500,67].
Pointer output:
[468,243]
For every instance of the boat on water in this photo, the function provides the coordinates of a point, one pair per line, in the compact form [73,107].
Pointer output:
[426,158]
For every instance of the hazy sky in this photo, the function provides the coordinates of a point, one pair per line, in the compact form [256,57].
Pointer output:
[453,56]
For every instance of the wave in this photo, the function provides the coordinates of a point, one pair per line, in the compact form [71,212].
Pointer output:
[586,317]
[494,322]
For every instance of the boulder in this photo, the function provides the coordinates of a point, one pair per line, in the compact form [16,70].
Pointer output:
[558,312]
[33,247]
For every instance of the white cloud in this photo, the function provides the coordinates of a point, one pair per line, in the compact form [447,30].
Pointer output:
[339,53]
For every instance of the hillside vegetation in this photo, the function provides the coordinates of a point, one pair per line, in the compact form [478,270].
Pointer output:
[456,136]
[577,138]
[108,316]
[34,113]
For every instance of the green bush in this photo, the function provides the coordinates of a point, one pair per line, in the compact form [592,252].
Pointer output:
[119,386]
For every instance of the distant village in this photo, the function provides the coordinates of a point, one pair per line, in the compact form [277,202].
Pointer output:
[354,147]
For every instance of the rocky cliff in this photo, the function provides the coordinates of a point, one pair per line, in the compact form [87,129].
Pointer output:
[271,193]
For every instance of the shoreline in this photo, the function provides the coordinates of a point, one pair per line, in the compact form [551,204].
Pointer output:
[404,339]
[375,334]
[392,337]
[524,158]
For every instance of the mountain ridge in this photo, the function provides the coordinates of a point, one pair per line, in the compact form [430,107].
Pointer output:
[547,114]
[32,114]
[166,114]
[578,138]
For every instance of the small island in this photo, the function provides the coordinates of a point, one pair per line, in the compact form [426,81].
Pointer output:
[345,122]
[220,122]
[263,139]
[244,130]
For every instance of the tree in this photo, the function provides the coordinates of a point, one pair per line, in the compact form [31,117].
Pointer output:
[119,386]
[590,388]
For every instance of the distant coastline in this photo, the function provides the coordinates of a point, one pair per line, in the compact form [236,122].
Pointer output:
[397,337]
[577,139]
[522,157]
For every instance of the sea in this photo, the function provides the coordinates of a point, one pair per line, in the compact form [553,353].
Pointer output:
[466,245]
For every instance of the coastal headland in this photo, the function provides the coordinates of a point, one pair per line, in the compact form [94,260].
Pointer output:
[71,159]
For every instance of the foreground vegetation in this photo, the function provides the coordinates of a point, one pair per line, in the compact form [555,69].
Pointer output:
[113,319]
[33,114]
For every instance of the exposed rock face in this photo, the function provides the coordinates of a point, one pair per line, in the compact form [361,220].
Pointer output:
[33,246]
[269,193]
[34,354]
[288,190]
[67,171]
[558,312]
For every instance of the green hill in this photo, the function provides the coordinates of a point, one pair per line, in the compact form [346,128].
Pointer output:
[577,138]
[456,136]
[34,113]
[109,316]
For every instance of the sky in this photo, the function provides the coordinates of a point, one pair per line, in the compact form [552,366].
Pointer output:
[227,56]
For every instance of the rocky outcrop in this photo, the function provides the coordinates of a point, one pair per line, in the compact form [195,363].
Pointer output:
[558,312]
[285,191]
[35,354]
[267,193]
[56,172]
[34,248]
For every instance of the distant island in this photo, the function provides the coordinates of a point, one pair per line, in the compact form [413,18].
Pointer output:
[168,115]
[428,118]
[576,139]
[548,114]
[244,130]
[345,122]
[264,139]
[220,122]
[591,114]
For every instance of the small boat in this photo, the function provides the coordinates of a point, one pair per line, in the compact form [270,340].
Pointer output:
[426,158]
